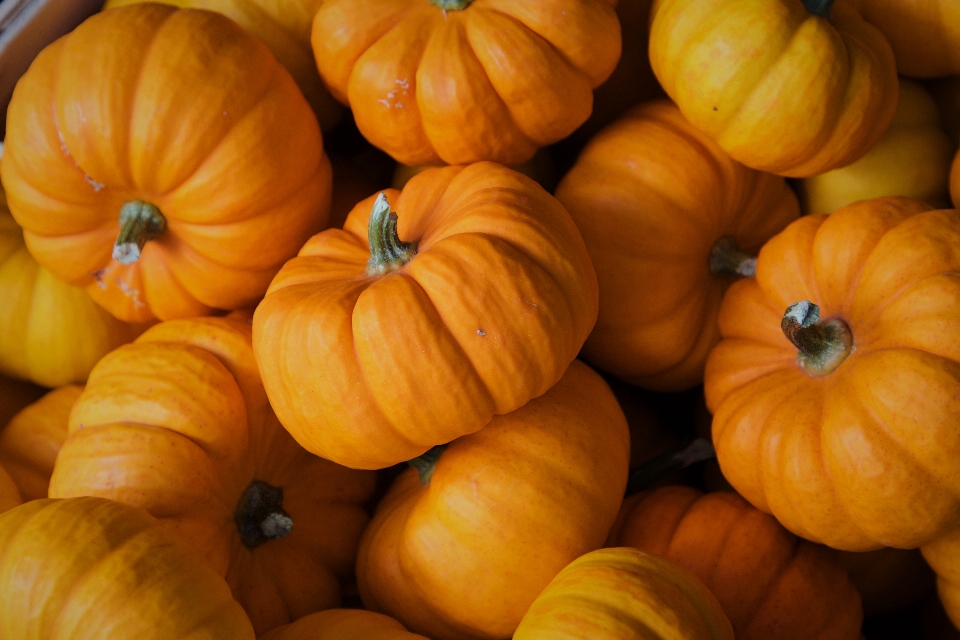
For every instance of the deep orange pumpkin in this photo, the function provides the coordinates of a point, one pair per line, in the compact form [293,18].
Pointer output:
[459,81]
[844,427]
[924,34]
[669,220]
[178,423]
[342,624]
[477,296]
[200,143]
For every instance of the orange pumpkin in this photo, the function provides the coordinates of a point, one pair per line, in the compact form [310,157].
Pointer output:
[504,510]
[342,624]
[30,442]
[839,415]
[177,423]
[769,583]
[89,568]
[479,284]
[459,81]
[924,34]
[168,180]
[624,594]
[779,86]
[669,220]
[285,28]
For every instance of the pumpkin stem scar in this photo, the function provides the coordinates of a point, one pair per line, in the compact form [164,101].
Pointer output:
[451,5]
[726,258]
[140,222]
[819,7]
[645,475]
[426,462]
[821,346]
[387,251]
[259,515]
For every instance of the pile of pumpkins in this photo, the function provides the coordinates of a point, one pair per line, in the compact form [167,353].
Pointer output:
[343,319]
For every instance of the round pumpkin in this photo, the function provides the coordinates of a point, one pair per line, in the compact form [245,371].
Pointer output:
[794,88]
[342,624]
[89,568]
[839,415]
[912,159]
[53,333]
[459,81]
[433,309]
[624,594]
[769,583]
[502,511]
[169,180]
[669,220]
[30,442]
[178,424]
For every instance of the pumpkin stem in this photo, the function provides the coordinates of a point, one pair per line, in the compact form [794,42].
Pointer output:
[451,5]
[426,462]
[819,7]
[387,251]
[645,475]
[260,516]
[821,346]
[726,258]
[139,222]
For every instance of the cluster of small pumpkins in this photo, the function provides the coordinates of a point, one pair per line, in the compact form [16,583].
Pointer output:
[343,319]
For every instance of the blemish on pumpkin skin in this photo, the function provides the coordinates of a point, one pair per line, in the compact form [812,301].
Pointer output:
[97,186]
[98,276]
[131,293]
[481,332]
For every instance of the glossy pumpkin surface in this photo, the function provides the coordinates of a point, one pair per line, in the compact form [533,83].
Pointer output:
[779,88]
[456,82]
[505,509]
[177,423]
[369,362]
[342,624]
[851,443]
[624,594]
[924,34]
[201,143]
[654,198]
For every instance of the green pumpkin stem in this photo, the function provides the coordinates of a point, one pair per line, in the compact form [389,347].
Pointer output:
[259,515]
[726,258]
[645,475]
[426,462]
[387,251]
[819,7]
[821,346]
[140,222]
[451,5]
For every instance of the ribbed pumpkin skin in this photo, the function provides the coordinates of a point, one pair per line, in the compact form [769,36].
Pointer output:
[203,123]
[942,555]
[30,442]
[624,594]
[493,81]
[781,90]
[88,568]
[177,423]
[369,371]
[285,28]
[651,196]
[924,34]
[38,343]
[770,583]
[810,449]
[506,509]
[342,624]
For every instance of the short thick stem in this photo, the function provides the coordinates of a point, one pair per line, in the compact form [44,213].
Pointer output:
[140,222]
[726,258]
[819,7]
[260,516]
[647,474]
[451,5]
[821,345]
[427,462]
[387,251]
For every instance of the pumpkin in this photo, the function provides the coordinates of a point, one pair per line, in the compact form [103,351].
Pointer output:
[342,624]
[479,284]
[889,580]
[30,442]
[89,568]
[794,88]
[942,555]
[769,583]
[502,511]
[168,180]
[839,415]
[911,159]
[669,220]
[178,424]
[624,594]
[53,332]
[285,28]
[459,81]
[539,167]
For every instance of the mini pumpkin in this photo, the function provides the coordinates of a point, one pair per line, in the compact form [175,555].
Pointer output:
[342,624]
